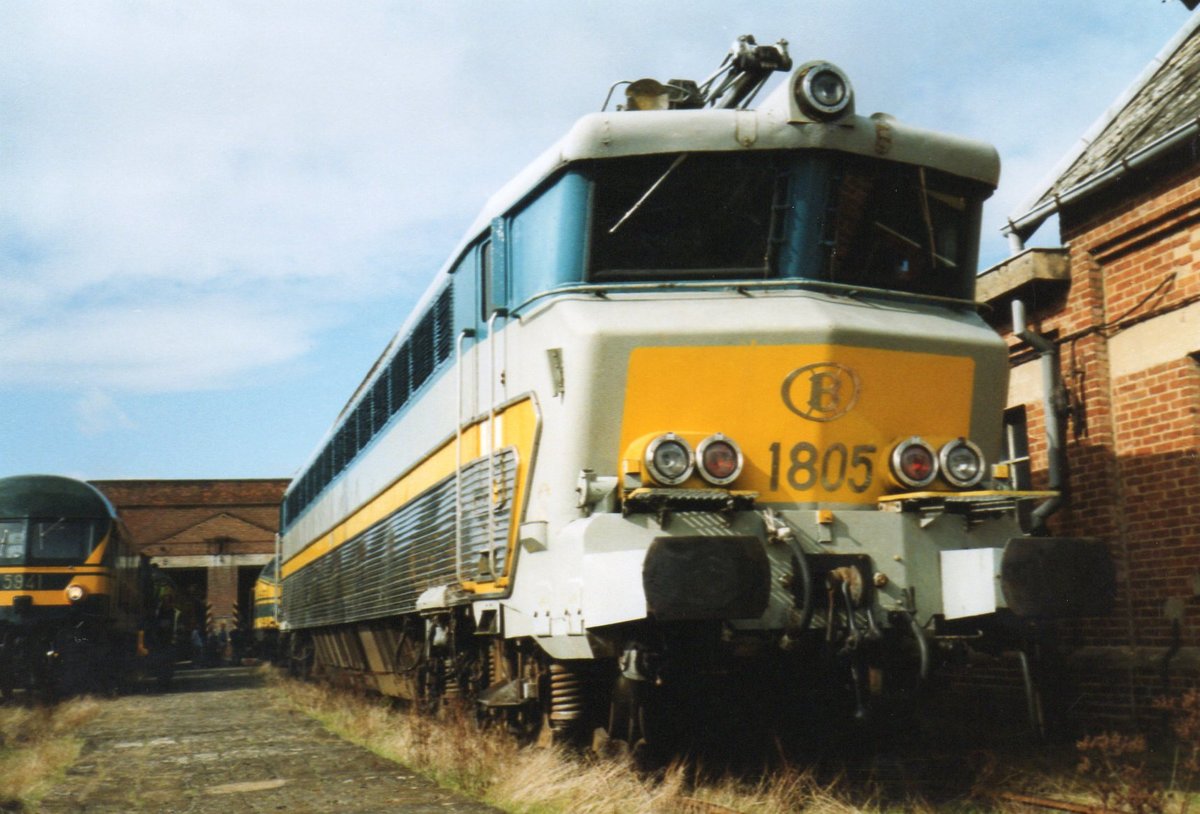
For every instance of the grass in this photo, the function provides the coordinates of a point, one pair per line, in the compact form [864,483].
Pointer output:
[1100,773]
[490,766]
[37,744]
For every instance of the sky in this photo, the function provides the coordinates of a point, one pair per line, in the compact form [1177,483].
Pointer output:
[214,216]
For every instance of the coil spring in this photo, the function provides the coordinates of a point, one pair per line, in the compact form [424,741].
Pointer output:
[450,686]
[567,690]
[497,666]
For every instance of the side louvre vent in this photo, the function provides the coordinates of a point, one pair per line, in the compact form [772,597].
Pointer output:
[444,313]
[423,350]
[383,570]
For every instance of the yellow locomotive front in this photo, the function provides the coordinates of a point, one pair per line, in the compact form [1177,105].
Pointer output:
[69,598]
[266,611]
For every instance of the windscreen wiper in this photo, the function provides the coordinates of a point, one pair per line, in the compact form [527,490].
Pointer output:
[637,204]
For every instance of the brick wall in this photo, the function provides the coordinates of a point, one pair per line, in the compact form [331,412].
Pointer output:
[158,510]
[1128,334]
[222,595]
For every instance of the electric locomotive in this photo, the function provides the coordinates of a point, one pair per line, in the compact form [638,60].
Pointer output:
[77,607]
[698,417]
[266,610]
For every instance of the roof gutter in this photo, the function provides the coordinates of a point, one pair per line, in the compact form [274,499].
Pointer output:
[1019,230]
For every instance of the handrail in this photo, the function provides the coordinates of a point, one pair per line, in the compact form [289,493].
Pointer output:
[491,429]
[465,333]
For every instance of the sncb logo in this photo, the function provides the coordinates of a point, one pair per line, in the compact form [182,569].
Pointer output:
[821,392]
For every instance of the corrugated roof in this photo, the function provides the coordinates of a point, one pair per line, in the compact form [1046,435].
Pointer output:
[1163,99]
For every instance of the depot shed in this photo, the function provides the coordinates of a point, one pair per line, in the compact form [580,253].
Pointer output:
[211,536]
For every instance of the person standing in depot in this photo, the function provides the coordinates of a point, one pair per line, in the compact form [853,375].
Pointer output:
[197,647]
[223,650]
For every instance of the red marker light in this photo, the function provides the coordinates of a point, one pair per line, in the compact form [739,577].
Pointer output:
[720,460]
[917,463]
[914,463]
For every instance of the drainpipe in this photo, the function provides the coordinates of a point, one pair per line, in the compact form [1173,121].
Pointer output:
[1052,403]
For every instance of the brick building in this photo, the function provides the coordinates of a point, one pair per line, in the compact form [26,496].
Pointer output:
[1121,302]
[212,537]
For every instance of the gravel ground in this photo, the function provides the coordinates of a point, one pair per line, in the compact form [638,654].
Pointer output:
[218,743]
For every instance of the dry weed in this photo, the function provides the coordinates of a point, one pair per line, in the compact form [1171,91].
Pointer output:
[1118,766]
[36,744]
[783,791]
[1184,715]
[489,765]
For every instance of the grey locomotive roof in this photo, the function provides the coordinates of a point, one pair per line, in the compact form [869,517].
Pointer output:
[629,133]
[1163,102]
[52,496]
[625,133]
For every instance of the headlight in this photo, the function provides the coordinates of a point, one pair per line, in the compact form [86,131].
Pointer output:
[76,592]
[822,90]
[720,460]
[962,463]
[914,463]
[669,459]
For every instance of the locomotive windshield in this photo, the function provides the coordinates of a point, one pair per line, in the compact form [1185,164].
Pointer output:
[758,215]
[690,216]
[46,542]
[12,542]
[893,226]
[270,571]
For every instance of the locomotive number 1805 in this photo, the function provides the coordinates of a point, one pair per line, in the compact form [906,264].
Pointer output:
[805,466]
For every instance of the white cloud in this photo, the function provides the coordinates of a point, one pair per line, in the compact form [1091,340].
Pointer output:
[198,346]
[97,413]
[193,191]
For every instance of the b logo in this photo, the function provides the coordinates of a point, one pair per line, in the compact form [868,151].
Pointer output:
[821,392]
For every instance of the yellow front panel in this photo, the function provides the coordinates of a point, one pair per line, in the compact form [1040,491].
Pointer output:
[28,581]
[816,423]
[266,601]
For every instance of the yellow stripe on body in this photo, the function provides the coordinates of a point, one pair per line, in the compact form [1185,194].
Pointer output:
[266,592]
[94,577]
[97,555]
[95,583]
[266,595]
[515,426]
[816,423]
